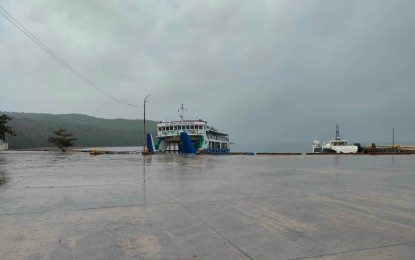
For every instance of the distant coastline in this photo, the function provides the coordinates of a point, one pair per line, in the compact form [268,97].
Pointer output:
[34,129]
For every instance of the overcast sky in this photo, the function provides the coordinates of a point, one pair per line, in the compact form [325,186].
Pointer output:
[263,71]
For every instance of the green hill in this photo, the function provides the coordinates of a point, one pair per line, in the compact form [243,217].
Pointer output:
[33,130]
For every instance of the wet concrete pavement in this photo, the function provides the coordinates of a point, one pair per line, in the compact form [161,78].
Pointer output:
[77,206]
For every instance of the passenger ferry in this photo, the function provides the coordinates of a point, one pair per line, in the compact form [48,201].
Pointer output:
[190,136]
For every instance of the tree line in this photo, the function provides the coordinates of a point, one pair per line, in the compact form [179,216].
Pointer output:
[62,139]
[32,130]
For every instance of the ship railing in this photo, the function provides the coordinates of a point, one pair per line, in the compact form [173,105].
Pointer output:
[220,138]
[177,132]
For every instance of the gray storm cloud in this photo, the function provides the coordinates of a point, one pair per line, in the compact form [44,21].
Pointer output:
[266,71]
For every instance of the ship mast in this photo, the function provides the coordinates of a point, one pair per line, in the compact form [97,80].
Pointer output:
[182,108]
[337,132]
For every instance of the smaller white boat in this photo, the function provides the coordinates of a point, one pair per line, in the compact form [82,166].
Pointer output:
[334,146]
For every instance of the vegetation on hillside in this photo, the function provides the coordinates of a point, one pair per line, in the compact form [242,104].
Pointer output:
[33,130]
[4,128]
[62,139]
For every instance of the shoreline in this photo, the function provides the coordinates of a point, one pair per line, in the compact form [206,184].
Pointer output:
[47,149]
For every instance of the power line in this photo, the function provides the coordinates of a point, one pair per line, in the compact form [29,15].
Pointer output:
[23,29]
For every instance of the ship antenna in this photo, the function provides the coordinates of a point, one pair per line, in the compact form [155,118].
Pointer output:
[182,108]
[337,132]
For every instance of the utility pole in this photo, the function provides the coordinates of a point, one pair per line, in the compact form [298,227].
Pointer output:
[144,135]
[393,138]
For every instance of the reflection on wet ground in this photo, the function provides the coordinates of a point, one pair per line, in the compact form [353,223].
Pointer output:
[206,207]
[3,178]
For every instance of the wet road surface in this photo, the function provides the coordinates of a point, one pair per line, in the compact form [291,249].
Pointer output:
[77,206]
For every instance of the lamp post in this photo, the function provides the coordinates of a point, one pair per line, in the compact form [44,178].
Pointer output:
[144,137]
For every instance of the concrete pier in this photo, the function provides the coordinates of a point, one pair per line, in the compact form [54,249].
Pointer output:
[78,206]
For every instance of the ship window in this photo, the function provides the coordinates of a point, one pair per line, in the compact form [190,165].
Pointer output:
[179,127]
[192,127]
[159,128]
[187,127]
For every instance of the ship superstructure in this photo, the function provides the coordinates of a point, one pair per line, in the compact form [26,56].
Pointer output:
[334,146]
[203,137]
[186,136]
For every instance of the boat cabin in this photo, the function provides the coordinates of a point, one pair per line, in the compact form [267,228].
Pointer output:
[338,142]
